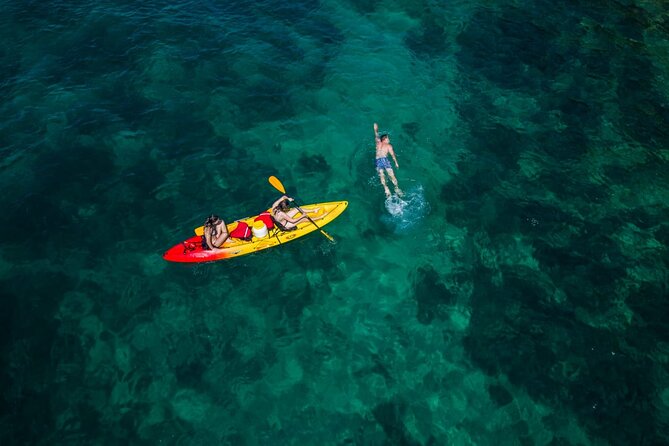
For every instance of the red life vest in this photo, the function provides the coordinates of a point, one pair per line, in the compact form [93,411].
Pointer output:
[266,218]
[241,231]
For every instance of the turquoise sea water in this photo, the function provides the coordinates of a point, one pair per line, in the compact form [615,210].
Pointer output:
[517,296]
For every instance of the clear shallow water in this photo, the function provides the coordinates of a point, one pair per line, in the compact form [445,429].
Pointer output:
[524,303]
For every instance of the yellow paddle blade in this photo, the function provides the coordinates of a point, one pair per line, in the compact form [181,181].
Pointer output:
[274,181]
[199,231]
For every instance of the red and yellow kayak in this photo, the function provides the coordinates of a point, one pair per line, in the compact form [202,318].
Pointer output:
[191,250]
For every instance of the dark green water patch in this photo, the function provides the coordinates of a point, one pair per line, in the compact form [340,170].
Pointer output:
[499,395]
[389,416]
[521,341]
[430,294]
[296,300]
[428,40]
[645,112]
[189,356]
[648,302]
[411,129]
[499,143]
[313,164]
[502,47]
[35,217]
[585,278]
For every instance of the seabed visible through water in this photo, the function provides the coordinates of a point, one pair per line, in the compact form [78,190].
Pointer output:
[516,295]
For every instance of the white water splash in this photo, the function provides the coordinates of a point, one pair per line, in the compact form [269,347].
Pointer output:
[407,211]
[395,205]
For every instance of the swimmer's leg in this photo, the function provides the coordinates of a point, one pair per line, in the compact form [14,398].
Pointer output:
[391,174]
[382,177]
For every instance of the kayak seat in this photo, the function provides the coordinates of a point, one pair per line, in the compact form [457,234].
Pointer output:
[281,227]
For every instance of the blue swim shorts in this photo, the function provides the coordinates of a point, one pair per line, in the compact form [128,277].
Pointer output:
[383,163]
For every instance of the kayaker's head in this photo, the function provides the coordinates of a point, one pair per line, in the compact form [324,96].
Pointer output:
[212,220]
[284,205]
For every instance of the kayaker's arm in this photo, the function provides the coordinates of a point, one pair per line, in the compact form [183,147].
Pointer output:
[283,197]
[220,239]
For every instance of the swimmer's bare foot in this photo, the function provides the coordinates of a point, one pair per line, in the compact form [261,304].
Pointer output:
[399,192]
[387,193]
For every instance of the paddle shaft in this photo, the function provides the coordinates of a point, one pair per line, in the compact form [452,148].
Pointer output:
[329,237]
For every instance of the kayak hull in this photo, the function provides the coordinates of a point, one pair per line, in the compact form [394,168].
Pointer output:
[190,250]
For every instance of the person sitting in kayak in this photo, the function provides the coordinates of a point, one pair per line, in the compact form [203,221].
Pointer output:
[215,233]
[284,216]
[383,149]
